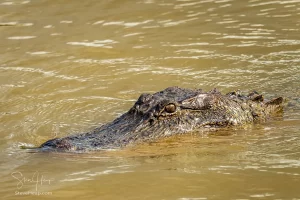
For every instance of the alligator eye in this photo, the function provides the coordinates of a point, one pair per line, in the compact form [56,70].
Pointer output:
[170,108]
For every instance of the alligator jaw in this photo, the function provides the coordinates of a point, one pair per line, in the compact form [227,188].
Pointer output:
[108,136]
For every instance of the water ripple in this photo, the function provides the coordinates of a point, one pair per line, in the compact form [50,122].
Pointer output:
[95,43]
[21,37]
[45,73]
[9,3]
[122,23]
[245,37]
[15,24]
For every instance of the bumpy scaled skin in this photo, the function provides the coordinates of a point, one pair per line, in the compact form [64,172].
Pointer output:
[171,111]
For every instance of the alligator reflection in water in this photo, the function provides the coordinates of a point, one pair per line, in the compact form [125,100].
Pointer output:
[171,111]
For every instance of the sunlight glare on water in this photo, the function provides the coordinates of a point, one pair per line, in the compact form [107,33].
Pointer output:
[69,66]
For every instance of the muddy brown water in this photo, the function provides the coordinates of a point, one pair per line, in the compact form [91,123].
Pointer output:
[70,66]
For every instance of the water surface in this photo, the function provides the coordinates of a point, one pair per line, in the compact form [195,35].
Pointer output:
[70,66]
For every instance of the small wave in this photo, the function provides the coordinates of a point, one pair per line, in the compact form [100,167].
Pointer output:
[104,61]
[66,22]
[122,23]
[95,43]
[261,195]
[180,6]
[189,44]
[75,179]
[245,37]
[46,73]
[168,23]
[10,3]
[21,37]
[38,53]
[227,22]
[131,34]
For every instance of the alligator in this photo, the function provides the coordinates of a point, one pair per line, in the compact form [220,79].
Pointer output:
[171,111]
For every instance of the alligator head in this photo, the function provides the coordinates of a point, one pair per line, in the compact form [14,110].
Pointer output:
[172,111]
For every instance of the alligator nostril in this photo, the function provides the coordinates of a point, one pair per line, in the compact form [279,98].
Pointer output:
[144,97]
[151,121]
